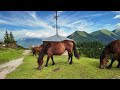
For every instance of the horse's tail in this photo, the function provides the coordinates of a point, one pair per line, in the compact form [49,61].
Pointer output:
[75,51]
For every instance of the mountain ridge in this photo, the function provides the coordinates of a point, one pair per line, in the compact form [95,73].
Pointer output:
[28,42]
[105,36]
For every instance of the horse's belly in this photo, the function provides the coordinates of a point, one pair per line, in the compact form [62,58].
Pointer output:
[58,51]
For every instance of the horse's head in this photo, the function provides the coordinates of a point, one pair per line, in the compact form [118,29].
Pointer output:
[40,62]
[103,61]
[40,59]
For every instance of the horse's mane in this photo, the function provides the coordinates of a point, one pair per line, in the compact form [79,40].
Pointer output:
[108,48]
[44,49]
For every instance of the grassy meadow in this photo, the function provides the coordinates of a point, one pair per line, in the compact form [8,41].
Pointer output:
[9,54]
[85,68]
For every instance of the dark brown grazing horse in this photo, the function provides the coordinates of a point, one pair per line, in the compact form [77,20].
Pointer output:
[57,48]
[112,50]
[36,50]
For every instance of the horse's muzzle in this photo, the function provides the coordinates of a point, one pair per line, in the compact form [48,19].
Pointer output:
[39,68]
[102,67]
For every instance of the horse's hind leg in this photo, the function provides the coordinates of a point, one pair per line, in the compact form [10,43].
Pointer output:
[118,63]
[68,57]
[71,55]
[52,60]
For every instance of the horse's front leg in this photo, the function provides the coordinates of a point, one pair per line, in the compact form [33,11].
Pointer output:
[111,64]
[53,63]
[47,61]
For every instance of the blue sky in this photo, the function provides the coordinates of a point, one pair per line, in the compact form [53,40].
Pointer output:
[39,23]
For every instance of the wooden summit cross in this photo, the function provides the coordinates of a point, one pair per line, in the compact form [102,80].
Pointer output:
[55,38]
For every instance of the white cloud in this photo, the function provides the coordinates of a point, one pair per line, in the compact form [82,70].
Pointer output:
[32,14]
[25,19]
[33,34]
[2,32]
[81,25]
[117,26]
[117,12]
[43,33]
[3,21]
[71,21]
[37,34]
[63,33]
[117,16]
[77,22]
[60,13]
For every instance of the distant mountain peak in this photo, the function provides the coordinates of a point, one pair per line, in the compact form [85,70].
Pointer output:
[116,31]
[27,42]
[81,36]
[103,31]
[82,33]
[103,35]
[107,32]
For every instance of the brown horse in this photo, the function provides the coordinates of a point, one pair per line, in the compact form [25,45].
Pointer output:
[112,50]
[57,48]
[36,50]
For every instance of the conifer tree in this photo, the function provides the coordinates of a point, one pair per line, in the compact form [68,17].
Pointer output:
[7,38]
[12,40]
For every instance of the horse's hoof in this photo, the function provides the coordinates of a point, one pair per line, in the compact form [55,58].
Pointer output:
[70,63]
[108,67]
[39,68]
[53,64]
[45,65]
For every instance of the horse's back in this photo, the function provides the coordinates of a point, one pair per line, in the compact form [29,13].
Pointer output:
[68,44]
[56,48]
[115,47]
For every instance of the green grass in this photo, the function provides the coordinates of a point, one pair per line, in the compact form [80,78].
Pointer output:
[85,68]
[9,54]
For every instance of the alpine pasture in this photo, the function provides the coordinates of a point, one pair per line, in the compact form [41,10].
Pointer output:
[85,68]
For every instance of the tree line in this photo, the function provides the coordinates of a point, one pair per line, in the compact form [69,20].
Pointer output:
[9,38]
[90,49]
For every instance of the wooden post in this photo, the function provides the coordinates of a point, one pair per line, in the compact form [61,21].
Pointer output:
[56,24]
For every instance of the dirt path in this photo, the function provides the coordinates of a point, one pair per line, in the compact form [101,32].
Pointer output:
[26,52]
[11,65]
